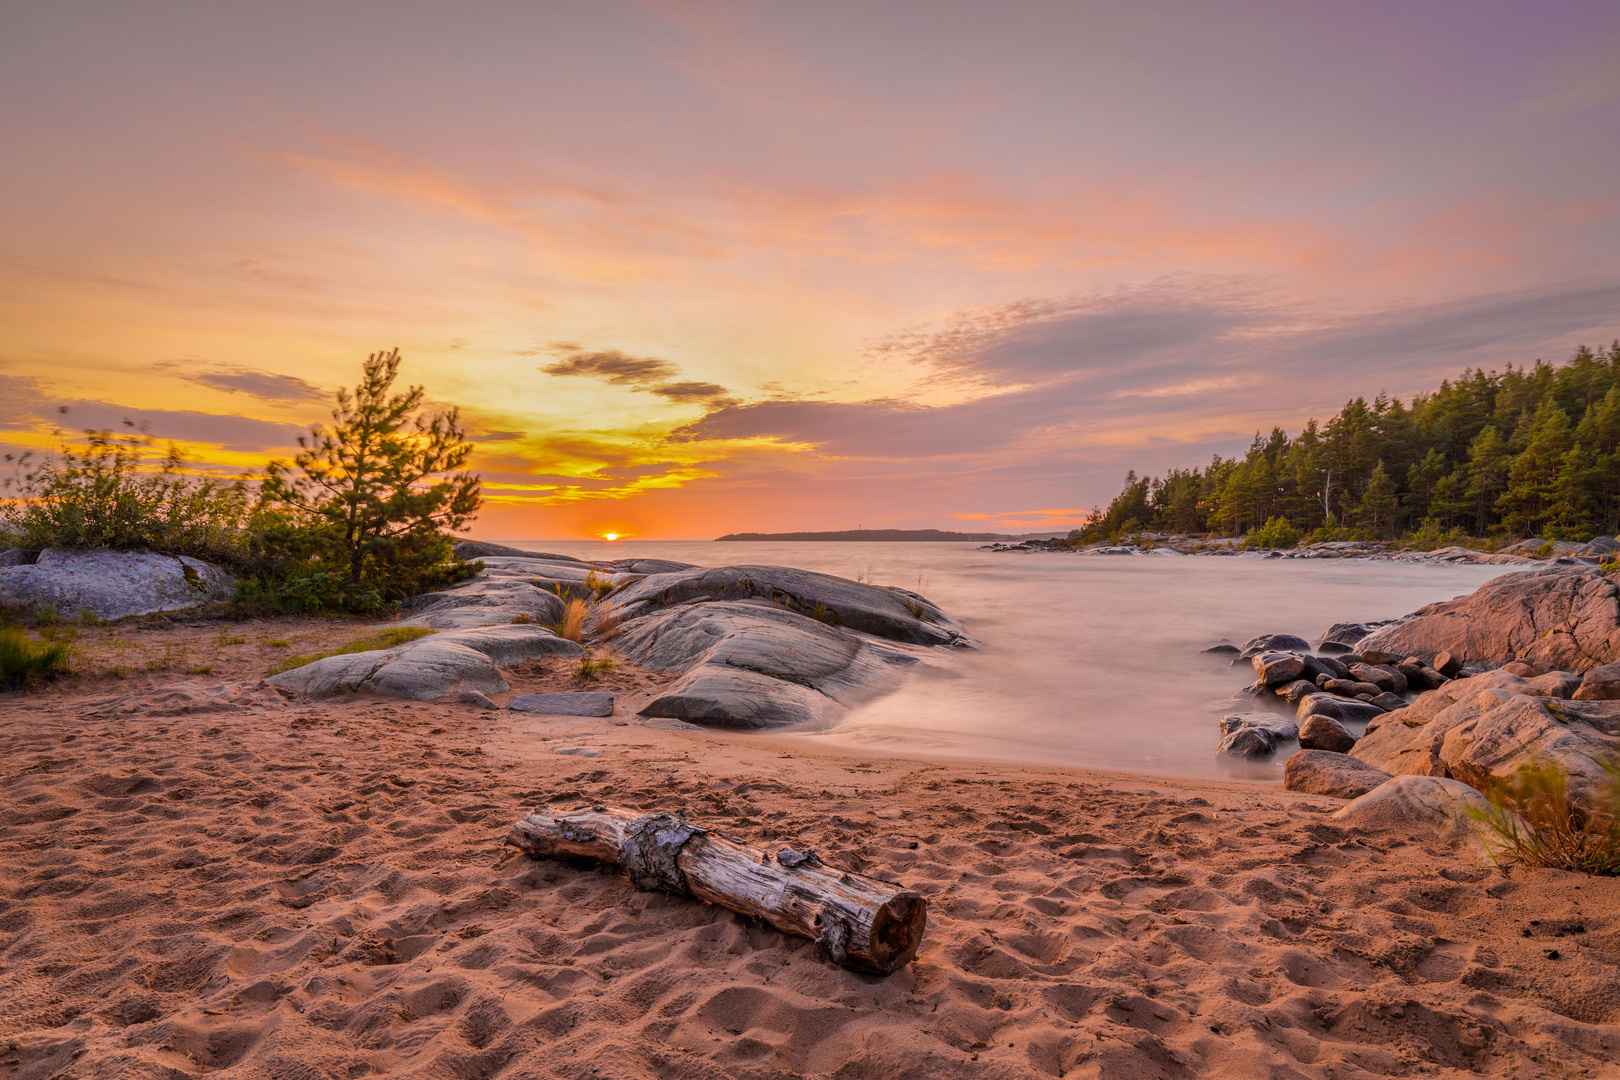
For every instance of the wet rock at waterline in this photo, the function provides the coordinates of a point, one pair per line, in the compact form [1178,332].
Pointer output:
[1274,668]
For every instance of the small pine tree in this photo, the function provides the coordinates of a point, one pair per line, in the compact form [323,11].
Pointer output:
[378,488]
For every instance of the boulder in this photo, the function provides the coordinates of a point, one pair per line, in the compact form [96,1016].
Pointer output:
[1275,643]
[881,611]
[747,664]
[1600,684]
[1346,635]
[575,704]
[1280,728]
[477,549]
[1603,545]
[1320,732]
[1342,709]
[1486,728]
[1276,668]
[1388,702]
[1247,742]
[1423,807]
[442,665]
[1376,657]
[112,584]
[19,557]
[1384,678]
[1446,664]
[1565,618]
[1223,650]
[1322,772]
[1325,665]
[1295,690]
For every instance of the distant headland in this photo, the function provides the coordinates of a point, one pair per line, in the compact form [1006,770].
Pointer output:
[871,535]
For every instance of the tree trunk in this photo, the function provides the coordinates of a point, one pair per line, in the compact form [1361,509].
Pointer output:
[865,924]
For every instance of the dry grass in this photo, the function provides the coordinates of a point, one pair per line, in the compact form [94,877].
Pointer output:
[572,624]
[23,661]
[1536,823]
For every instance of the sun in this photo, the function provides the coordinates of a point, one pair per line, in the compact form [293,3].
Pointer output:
[610,536]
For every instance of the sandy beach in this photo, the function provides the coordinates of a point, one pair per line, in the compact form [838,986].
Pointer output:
[202,879]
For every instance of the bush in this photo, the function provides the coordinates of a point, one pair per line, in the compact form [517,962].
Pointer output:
[1276,533]
[572,625]
[1537,824]
[113,492]
[23,661]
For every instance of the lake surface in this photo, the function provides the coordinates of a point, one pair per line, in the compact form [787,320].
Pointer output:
[1088,661]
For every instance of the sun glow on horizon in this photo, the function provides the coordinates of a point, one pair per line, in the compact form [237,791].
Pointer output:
[610,536]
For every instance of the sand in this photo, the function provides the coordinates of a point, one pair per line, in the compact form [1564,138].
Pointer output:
[304,890]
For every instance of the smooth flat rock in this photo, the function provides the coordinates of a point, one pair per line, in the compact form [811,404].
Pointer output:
[1343,709]
[729,653]
[113,584]
[1324,772]
[1420,807]
[1564,618]
[441,665]
[890,613]
[577,704]
[578,751]
[484,601]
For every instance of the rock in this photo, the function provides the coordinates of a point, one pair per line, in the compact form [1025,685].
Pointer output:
[1376,657]
[484,601]
[1320,732]
[578,751]
[1389,702]
[1427,679]
[112,584]
[1567,618]
[1522,669]
[735,658]
[1479,729]
[430,668]
[476,549]
[1295,690]
[1446,664]
[1600,684]
[1275,643]
[1322,772]
[1275,668]
[1342,709]
[1383,678]
[576,704]
[1331,647]
[19,557]
[883,612]
[1417,806]
[473,697]
[1603,545]
[1280,728]
[1325,665]
[1346,635]
[1247,742]
[1555,684]
[1223,650]
[1412,669]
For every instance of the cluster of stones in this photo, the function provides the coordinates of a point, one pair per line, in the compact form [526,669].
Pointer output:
[1330,688]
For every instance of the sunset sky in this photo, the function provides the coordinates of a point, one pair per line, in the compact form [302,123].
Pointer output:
[690,269]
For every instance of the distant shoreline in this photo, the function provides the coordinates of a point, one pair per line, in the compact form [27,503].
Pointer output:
[871,535]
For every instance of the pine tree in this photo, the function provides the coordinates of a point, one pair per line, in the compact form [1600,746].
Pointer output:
[378,487]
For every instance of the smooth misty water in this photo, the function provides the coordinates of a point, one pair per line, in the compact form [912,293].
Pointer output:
[1090,661]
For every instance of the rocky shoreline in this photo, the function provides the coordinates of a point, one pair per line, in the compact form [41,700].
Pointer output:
[1525,671]
[1526,552]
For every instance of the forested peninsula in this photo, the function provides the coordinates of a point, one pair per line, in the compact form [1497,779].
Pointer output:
[1523,452]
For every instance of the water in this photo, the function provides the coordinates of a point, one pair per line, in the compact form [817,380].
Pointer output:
[1088,661]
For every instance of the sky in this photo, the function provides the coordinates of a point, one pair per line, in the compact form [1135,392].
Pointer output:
[689,269]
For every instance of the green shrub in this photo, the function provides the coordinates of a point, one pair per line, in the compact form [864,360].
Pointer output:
[114,492]
[1275,533]
[23,661]
[309,592]
[1536,823]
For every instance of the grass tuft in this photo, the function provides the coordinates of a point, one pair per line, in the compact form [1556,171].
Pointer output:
[1535,823]
[593,667]
[572,624]
[23,661]
[383,639]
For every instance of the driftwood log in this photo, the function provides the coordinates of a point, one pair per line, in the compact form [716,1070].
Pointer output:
[864,923]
